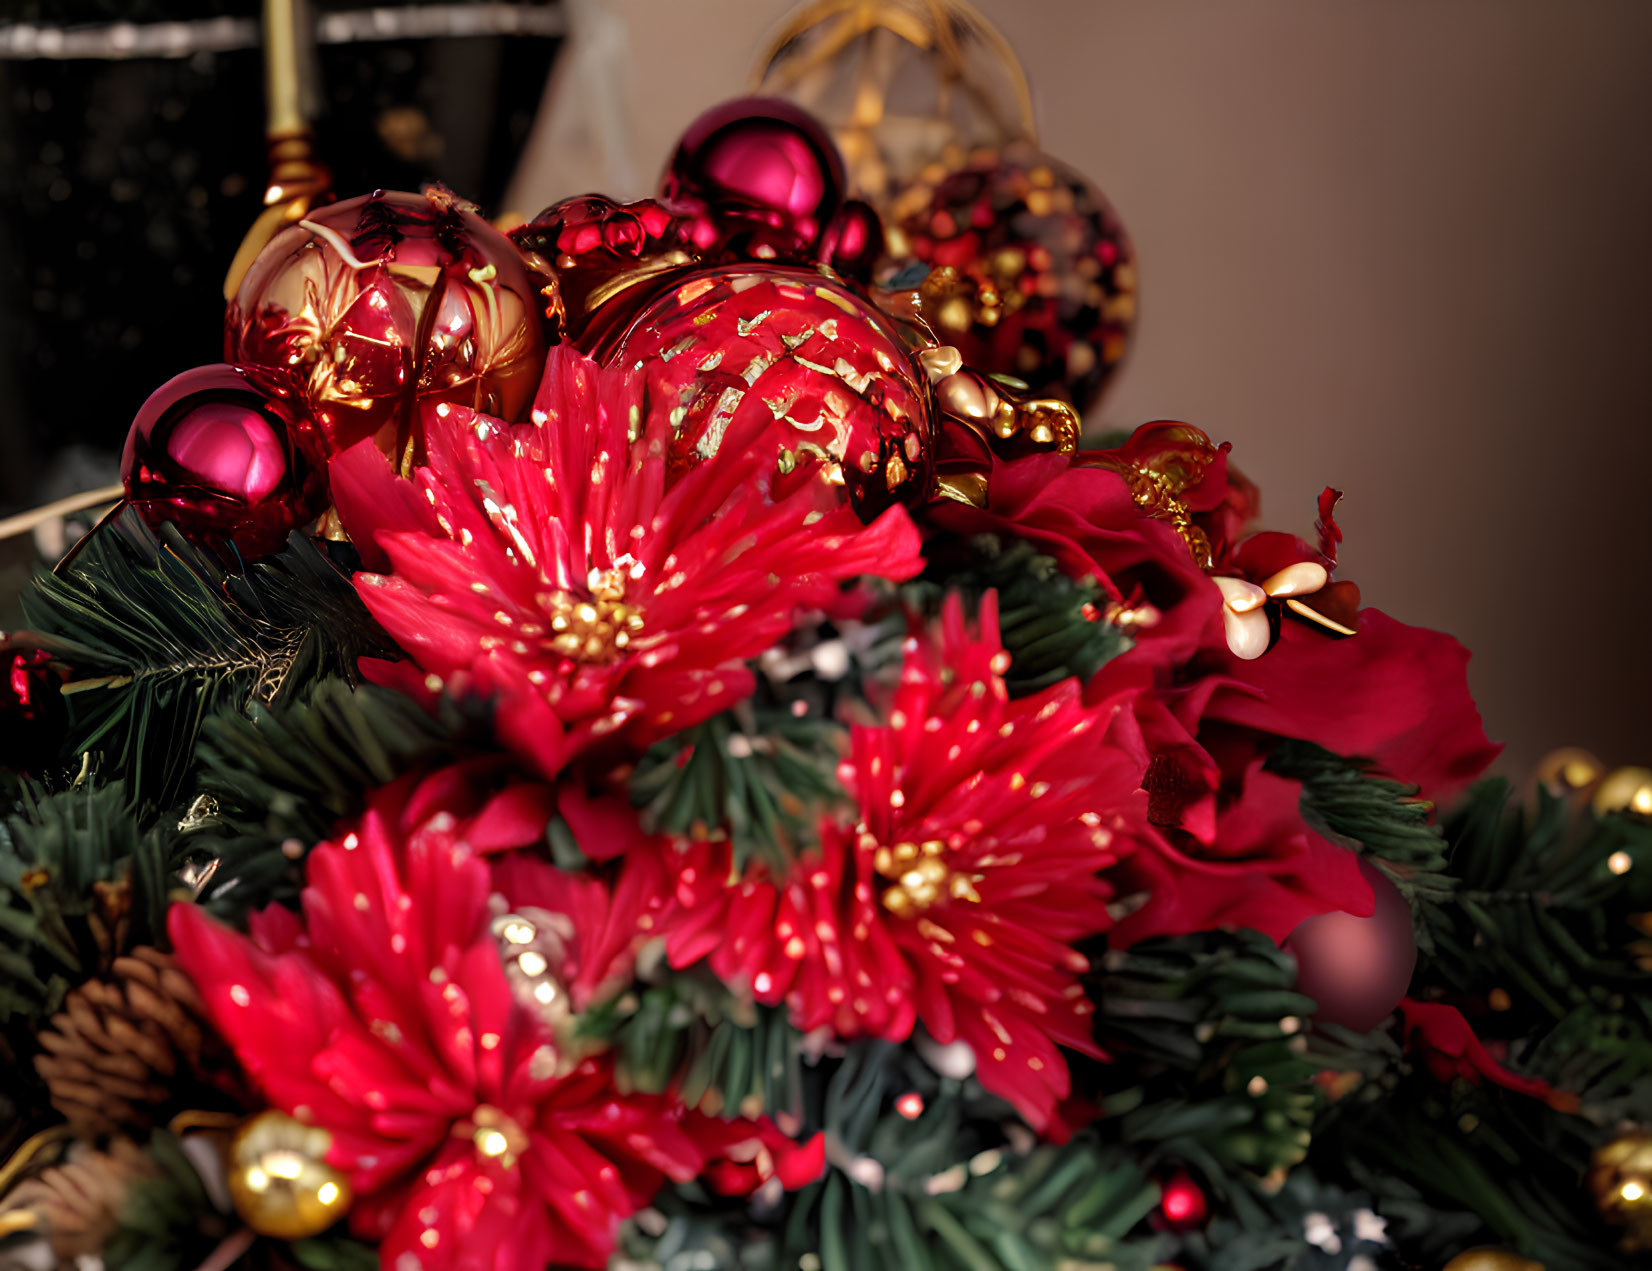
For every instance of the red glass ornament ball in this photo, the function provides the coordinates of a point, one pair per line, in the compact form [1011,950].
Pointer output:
[388,301]
[1357,969]
[1182,1202]
[1048,256]
[796,354]
[760,155]
[216,451]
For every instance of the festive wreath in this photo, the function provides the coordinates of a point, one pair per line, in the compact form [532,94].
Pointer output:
[616,744]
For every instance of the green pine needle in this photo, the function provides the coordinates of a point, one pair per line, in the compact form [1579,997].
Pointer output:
[758,774]
[68,862]
[1053,626]
[160,638]
[275,776]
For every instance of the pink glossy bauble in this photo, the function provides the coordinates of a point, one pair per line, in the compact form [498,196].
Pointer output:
[216,451]
[388,301]
[763,159]
[801,351]
[1357,969]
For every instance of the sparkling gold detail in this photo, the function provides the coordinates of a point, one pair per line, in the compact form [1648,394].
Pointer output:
[495,1135]
[596,630]
[1620,1180]
[919,878]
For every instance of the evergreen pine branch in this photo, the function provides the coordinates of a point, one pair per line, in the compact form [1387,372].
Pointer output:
[1463,1149]
[759,774]
[720,1054]
[80,884]
[1053,626]
[160,638]
[1211,1057]
[1543,925]
[1383,819]
[942,1190]
[275,780]
[169,1220]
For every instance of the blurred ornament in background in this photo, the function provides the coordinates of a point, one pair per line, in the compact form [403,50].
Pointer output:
[1492,1260]
[1054,279]
[1357,969]
[898,82]
[1620,1179]
[1567,770]
[932,111]
[1182,1202]
[1625,790]
[386,302]
[220,451]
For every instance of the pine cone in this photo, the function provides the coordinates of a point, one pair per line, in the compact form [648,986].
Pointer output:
[127,1048]
[76,1205]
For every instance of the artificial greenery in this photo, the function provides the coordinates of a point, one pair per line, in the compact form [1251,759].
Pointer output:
[161,638]
[1052,625]
[275,779]
[80,884]
[758,774]
[721,1054]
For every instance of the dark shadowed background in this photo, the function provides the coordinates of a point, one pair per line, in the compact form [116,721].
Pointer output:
[1403,247]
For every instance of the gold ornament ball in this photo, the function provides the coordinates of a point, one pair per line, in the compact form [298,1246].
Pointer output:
[1620,1179]
[1625,790]
[1568,769]
[279,1178]
[1492,1260]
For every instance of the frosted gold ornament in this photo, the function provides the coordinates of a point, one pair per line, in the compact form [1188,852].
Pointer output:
[1567,769]
[1625,790]
[898,83]
[1492,1260]
[1620,1179]
[279,1178]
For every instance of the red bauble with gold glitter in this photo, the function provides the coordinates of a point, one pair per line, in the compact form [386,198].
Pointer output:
[220,451]
[388,301]
[1045,256]
[803,350]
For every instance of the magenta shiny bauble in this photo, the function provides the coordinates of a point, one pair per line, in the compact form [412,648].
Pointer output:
[795,355]
[759,157]
[216,451]
[386,302]
[853,242]
[1357,969]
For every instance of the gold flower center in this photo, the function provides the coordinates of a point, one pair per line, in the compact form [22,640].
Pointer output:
[598,628]
[495,1135]
[919,876]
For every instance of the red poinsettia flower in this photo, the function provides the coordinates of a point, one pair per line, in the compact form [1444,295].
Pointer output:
[551,564]
[387,1017]
[1235,850]
[957,897]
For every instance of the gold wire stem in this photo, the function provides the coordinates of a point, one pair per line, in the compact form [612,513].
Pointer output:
[23,522]
[30,1148]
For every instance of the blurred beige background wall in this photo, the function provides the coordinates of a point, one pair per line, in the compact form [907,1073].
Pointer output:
[1403,247]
